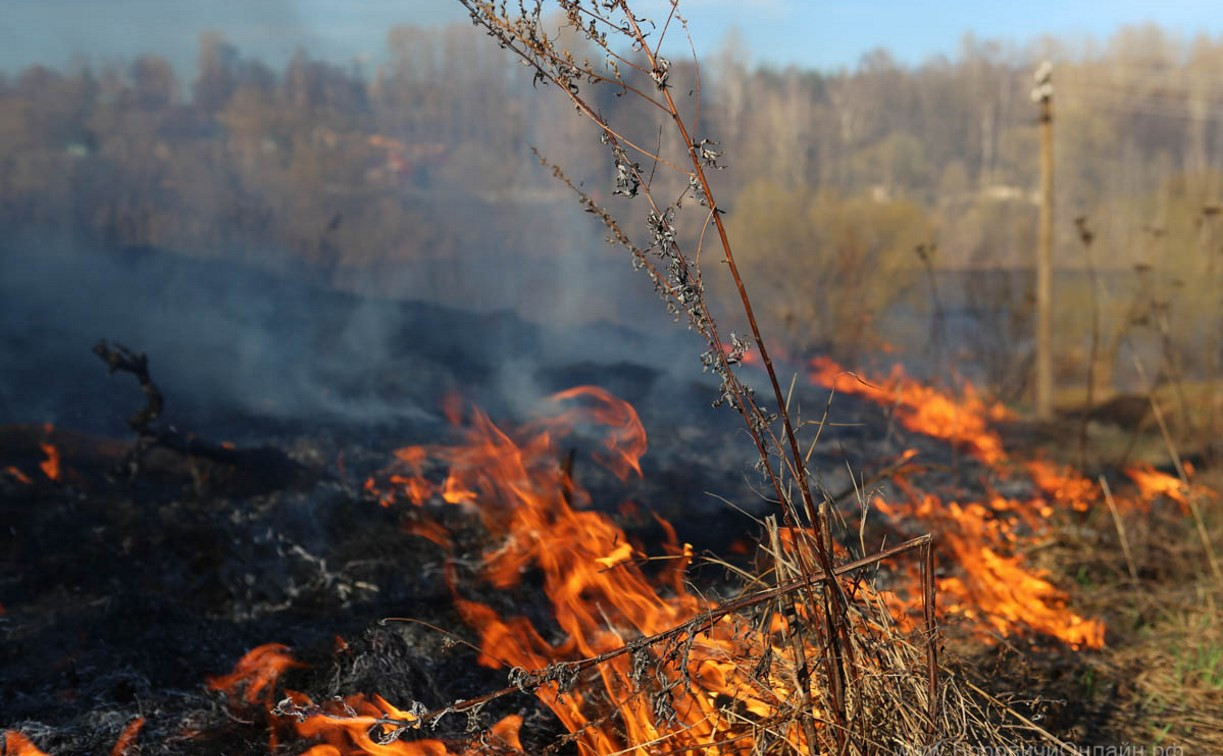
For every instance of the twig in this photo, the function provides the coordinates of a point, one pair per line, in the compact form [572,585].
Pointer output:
[694,626]
[1180,472]
[1125,542]
[268,461]
[1050,737]
[120,358]
[929,615]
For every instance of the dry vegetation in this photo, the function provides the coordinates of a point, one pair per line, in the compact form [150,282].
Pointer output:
[814,658]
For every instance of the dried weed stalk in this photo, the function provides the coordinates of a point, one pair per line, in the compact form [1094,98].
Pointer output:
[854,682]
[818,606]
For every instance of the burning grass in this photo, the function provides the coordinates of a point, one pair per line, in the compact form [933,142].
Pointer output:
[987,539]
[643,662]
[633,655]
[1145,575]
[1136,562]
[637,660]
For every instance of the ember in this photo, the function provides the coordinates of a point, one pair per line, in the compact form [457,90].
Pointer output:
[50,465]
[253,680]
[127,739]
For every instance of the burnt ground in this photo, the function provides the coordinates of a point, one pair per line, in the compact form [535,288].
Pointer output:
[122,596]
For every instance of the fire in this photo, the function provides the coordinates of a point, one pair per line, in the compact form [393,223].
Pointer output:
[353,725]
[127,739]
[625,437]
[671,695]
[1063,484]
[18,475]
[348,725]
[1001,590]
[602,599]
[252,683]
[1152,484]
[50,465]
[994,591]
[254,678]
[360,725]
[963,422]
[16,744]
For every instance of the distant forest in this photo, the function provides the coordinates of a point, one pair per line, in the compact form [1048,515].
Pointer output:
[847,191]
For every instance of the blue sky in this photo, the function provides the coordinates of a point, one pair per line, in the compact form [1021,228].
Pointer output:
[825,34]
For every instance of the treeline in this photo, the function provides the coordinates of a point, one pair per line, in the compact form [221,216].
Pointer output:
[849,192]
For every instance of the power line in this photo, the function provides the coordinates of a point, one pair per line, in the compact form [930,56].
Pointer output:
[1117,103]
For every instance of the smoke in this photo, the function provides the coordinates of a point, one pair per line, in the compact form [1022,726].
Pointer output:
[222,340]
[385,297]
[232,347]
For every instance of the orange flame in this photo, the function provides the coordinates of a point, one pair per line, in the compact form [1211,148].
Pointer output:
[16,744]
[253,681]
[1064,485]
[601,598]
[357,725]
[50,465]
[127,738]
[1152,484]
[994,592]
[963,422]
[18,475]
[254,678]
[349,727]
[1000,589]
[625,439]
[354,725]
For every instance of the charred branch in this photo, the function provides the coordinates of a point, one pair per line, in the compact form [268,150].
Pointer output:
[120,358]
[264,463]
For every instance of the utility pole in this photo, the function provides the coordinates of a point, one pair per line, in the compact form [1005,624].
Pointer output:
[1042,93]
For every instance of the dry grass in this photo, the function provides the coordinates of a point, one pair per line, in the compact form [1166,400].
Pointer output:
[1159,681]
